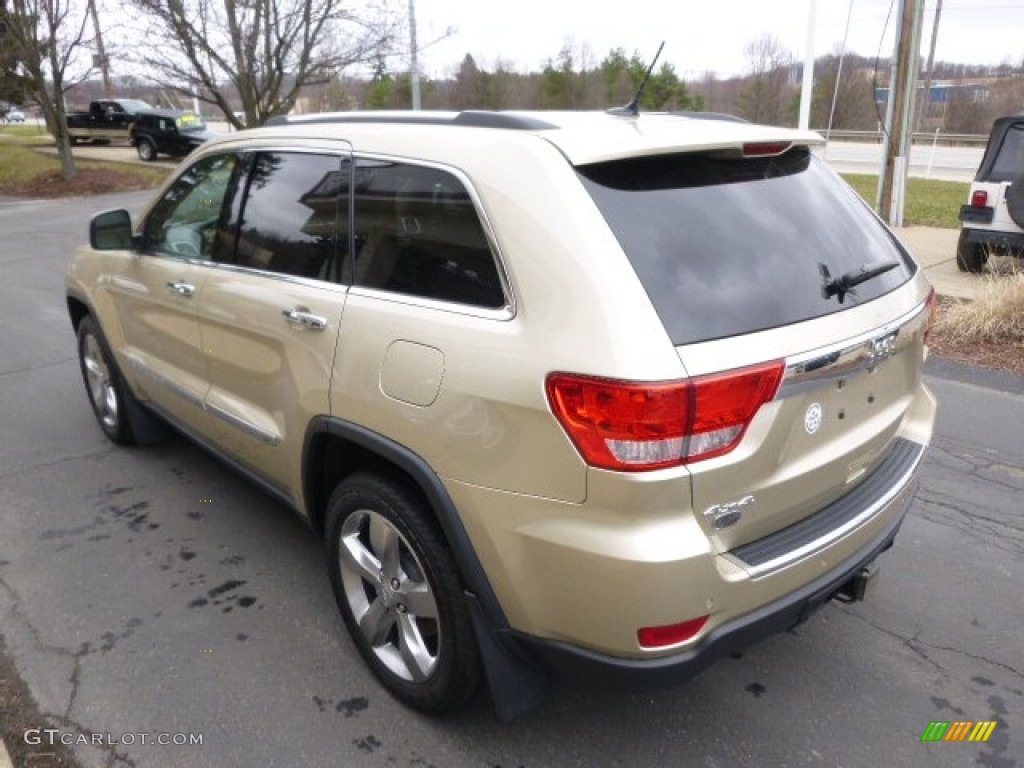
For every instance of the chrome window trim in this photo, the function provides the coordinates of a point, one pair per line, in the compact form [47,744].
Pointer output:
[506,312]
[309,282]
[452,307]
[836,361]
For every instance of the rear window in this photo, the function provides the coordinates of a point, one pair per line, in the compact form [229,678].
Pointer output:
[728,246]
[1010,161]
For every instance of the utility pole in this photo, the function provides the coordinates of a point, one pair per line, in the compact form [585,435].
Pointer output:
[414,65]
[101,53]
[901,107]
[926,100]
[808,80]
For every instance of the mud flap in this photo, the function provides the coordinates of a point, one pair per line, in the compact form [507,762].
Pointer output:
[517,686]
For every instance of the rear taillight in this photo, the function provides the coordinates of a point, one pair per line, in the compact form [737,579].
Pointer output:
[979,198]
[634,426]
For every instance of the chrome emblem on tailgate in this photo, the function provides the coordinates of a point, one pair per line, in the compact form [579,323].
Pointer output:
[723,515]
[882,348]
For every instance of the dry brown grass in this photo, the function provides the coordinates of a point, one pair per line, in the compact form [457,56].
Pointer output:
[995,316]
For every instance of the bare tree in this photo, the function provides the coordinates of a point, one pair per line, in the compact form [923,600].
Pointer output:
[263,51]
[47,37]
[768,95]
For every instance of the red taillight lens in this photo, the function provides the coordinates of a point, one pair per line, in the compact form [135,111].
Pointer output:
[979,198]
[726,403]
[659,637]
[765,148]
[634,426]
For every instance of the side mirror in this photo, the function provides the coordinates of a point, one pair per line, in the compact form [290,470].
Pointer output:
[111,231]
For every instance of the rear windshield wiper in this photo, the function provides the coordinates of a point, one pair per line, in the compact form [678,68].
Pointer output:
[845,283]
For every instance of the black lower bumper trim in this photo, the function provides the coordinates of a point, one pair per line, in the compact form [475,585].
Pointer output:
[570,662]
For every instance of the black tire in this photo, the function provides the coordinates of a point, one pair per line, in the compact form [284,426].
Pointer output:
[1015,201]
[384,550]
[103,383]
[970,257]
[146,150]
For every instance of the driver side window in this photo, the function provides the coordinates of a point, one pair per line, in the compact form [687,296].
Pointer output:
[188,220]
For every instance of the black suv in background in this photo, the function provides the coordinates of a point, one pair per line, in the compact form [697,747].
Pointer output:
[168,132]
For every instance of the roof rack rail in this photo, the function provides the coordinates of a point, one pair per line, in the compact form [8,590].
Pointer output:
[468,118]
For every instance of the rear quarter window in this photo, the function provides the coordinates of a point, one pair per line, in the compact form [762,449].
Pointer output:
[729,246]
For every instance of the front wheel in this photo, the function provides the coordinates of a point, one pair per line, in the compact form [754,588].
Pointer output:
[970,257]
[104,386]
[400,594]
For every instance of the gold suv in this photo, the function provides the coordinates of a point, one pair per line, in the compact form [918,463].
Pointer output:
[564,393]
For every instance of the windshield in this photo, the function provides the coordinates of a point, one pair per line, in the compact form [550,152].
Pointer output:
[729,246]
[189,123]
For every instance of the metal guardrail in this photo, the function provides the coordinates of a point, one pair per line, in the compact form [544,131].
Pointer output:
[921,137]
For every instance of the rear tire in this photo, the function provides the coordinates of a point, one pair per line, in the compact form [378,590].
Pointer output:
[970,257]
[146,150]
[400,594]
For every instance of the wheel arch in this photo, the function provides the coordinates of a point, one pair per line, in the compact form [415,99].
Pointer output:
[335,448]
[77,309]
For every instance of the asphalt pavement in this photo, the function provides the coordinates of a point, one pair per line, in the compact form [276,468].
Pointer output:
[153,591]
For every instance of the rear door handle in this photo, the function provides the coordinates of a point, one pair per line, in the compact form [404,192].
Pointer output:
[303,318]
[181,288]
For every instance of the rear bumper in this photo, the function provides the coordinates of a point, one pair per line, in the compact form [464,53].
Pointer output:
[995,238]
[567,661]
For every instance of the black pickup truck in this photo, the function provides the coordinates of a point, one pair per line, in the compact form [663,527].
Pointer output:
[106,120]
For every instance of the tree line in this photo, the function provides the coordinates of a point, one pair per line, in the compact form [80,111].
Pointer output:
[255,59]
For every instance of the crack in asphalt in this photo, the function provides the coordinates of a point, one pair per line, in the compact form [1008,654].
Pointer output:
[920,648]
[16,610]
[32,368]
[100,454]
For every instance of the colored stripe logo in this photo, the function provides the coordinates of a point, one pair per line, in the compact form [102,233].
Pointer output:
[958,730]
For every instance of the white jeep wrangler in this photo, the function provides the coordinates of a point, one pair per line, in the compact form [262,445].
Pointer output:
[993,218]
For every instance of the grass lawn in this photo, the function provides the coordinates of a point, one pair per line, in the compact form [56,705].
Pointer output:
[26,172]
[929,203]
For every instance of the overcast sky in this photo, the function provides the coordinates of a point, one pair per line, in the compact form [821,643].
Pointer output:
[699,35]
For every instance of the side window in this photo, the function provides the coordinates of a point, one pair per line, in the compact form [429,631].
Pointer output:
[291,219]
[417,232]
[187,220]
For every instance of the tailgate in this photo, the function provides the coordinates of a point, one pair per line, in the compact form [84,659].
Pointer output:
[831,428]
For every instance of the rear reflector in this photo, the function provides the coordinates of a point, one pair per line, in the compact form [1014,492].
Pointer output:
[634,426]
[979,198]
[659,637]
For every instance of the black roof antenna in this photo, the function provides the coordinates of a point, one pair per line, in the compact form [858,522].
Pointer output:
[633,108]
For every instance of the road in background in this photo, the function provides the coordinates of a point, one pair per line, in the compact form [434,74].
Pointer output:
[926,160]
[152,590]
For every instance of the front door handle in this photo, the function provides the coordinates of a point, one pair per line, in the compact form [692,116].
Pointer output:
[303,318]
[181,288]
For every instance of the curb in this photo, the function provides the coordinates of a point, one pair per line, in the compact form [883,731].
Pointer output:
[5,759]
